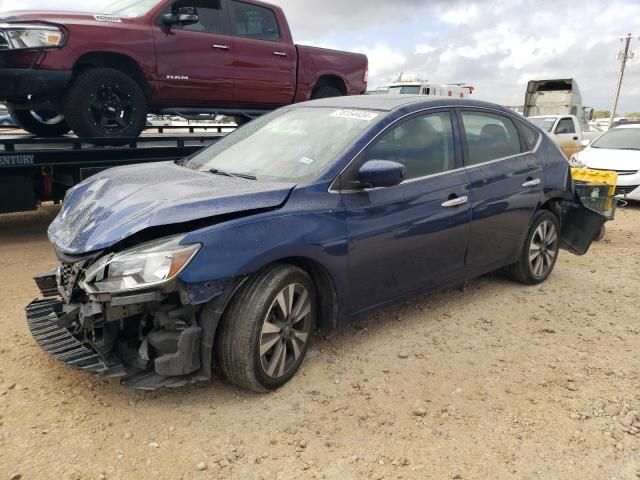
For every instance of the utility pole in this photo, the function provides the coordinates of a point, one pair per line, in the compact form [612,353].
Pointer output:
[623,56]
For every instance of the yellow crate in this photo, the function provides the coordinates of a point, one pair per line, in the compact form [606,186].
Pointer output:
[596,176]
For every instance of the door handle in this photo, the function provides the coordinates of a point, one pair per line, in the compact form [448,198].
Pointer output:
[456,202]
[280,54]
[531,183]
[575,138]
[220,47]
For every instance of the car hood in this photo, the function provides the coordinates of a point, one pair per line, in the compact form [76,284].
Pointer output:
[609,159]
[61,17]
[111,206]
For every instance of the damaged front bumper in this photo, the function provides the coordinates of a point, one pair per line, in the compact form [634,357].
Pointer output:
[152,339]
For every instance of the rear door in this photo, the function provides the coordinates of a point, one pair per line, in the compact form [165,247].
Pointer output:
[414,235]
[195,62]
[506,185]
[265,62]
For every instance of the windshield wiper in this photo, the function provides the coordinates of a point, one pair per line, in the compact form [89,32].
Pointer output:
[216,171]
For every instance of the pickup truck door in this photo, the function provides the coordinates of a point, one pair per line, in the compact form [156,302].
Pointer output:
[195,62]
[414,235]
[265,61]
[569,135]
[506,187]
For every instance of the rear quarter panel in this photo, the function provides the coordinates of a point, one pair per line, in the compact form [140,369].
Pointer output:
[314,63]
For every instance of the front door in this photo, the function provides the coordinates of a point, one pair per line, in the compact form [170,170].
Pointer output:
[195,62]
[506,186]
[265,64]
[567,134]
[414,235]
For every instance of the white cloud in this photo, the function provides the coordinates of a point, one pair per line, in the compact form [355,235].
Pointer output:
[424,49]
[459,15]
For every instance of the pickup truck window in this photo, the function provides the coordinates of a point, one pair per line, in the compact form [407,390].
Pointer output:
[565,125]
[253,21]
[210,16]
[405,90]
[290,144]
[545,124]
[489,137]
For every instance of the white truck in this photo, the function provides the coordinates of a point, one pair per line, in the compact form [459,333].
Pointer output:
[567,131]
[420,87]
[555,105]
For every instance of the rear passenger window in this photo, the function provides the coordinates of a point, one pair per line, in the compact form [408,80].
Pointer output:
[254,22]
[489,137]
[424,145]
[529,135]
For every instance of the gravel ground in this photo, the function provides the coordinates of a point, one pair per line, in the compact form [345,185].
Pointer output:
[490,380]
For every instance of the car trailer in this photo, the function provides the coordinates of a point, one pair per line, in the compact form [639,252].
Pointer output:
[37,170]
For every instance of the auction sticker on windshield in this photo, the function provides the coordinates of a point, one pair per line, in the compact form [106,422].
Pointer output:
[355,115]
[107,18]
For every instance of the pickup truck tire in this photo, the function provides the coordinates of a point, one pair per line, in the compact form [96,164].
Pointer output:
[540,251]
[326,92]
[106,103]
[266,330]
[40,123]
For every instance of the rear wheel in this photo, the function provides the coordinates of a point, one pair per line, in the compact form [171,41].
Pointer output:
[43,123]
[106,103]
[266,330]
[326,92]
[540,251]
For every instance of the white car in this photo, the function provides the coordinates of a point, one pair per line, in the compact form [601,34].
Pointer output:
[617,150]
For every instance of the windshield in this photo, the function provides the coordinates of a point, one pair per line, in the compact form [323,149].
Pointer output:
[545,124]
[619,139]
[290,144]
[405,90]
[128,8]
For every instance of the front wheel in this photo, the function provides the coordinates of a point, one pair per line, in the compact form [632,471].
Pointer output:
[540,251]
[42,123]
[106,103]
[265,333]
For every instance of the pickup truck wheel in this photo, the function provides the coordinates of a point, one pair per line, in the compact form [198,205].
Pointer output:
[42,123]
[326,92]
[106,103]
[265,333]
[540,251]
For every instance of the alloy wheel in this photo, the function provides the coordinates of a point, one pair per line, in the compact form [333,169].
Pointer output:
[543,249]
[286,330]
[111,109]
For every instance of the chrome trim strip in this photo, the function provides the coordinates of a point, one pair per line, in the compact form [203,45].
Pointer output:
[439,107]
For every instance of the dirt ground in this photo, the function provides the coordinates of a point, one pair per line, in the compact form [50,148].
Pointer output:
[487,381]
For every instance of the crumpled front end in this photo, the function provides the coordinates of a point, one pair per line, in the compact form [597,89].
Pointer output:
[160,336]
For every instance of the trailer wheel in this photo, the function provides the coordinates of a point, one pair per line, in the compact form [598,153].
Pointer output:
[108,104]
[43,123]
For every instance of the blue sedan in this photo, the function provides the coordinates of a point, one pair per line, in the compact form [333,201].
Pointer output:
[303,219]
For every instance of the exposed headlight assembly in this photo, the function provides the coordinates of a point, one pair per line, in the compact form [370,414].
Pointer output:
[16,37]
[148,265]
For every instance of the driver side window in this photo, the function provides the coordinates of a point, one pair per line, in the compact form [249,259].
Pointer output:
[424,145]
[211,18]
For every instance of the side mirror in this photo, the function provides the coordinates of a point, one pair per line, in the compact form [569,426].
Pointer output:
[381,173]
[182,16]
[585,143]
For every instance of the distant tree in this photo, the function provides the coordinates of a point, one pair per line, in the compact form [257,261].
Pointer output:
[632,115]
[601,114]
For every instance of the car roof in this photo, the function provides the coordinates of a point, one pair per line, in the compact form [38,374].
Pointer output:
[391,102]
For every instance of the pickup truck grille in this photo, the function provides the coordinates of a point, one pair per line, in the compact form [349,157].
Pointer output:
[58,341]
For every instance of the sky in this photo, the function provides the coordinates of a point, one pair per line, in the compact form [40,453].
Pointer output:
[495,45]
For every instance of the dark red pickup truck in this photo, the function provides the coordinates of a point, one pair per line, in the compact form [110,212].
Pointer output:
[101,74]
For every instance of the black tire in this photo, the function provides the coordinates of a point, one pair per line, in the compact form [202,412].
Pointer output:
[534,271]
[106,103]
[326,92]
[43,123]
[251,313]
